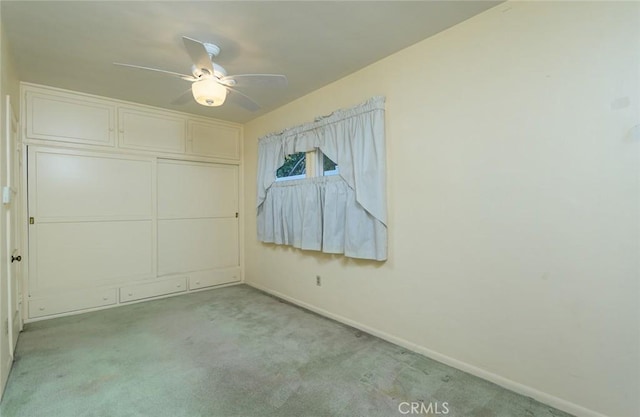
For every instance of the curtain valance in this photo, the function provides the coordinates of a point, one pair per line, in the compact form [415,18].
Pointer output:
[354,139]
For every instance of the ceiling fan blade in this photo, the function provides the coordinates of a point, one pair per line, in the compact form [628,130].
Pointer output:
[242,100]
[198,53]
[183,76]
[183,98]
[255,80]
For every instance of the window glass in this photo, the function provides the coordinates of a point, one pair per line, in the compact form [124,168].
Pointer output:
[294,167]
[328,166]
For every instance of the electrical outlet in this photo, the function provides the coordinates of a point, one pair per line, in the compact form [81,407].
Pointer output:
[318,281]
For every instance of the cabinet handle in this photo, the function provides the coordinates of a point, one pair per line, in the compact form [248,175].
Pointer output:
[16,258]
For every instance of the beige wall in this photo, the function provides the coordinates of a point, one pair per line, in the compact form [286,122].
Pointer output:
[513,191]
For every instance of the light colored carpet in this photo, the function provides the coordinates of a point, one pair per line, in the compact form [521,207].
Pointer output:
[233,351]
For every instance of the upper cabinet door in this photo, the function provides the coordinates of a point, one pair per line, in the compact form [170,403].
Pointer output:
[213,139]
[70,118]
[151,130]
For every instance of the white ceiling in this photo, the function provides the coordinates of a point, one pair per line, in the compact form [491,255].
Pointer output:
[72,44]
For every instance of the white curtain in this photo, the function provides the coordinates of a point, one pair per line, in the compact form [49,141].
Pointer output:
[342,214]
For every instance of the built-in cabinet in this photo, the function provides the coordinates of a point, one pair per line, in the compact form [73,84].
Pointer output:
[63,117]
[209,139]
[151,130]
[125,202]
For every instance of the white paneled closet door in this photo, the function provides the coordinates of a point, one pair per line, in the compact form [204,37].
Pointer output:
[197,222]
[91,221]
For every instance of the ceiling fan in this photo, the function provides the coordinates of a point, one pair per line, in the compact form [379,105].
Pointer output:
[211,86]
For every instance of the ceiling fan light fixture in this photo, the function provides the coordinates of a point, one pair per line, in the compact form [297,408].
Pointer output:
[209,92]
[210,83]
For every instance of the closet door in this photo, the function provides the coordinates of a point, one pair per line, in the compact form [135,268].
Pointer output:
[197,222]
[91,223]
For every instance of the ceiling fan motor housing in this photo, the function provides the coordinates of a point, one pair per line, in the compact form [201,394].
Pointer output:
[212,50]
[218,71]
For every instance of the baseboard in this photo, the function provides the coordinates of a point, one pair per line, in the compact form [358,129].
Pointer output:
[525,390]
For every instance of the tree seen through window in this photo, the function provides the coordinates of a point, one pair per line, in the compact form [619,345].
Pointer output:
[294,164]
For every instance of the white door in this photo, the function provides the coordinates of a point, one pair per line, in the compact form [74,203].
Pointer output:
[197,218]
[8,224]
[90,223]
[14,163]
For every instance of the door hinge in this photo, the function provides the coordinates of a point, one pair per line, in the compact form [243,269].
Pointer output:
[32,220]
[236,214]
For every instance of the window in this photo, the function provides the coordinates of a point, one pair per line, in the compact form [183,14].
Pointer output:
[294,167]
[306,165]
[328,166]
[340,214]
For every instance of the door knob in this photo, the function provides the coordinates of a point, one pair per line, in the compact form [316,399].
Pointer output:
[16,258]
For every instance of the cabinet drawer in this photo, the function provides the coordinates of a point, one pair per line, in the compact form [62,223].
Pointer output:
[153,289]
[71,301]
[65,118]
[210,278]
